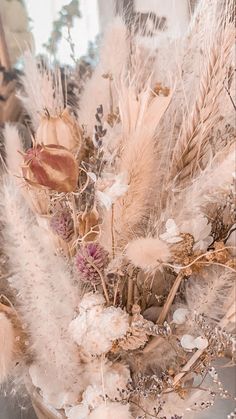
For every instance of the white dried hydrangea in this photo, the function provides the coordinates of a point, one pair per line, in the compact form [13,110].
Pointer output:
[97,326]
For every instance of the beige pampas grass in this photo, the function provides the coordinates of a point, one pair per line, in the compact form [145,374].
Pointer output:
[42,283]
[7,341]
[140,115]
[148,253]
[43,90]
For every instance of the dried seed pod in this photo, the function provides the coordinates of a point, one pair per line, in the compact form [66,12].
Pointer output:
[59,130]
[52,166]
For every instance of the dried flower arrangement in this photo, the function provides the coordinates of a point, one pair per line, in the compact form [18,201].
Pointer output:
[118,226]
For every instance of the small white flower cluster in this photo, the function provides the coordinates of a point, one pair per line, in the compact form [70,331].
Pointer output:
[97,326]
[199,228]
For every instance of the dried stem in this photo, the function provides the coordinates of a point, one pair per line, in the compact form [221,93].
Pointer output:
[165,310]
[188,366]
[170,298]
[130,293]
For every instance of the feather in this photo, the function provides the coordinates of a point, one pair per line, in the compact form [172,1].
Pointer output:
[209,293]
[211,185]
[43,286]
[7,340]
[98,87]
[43,90]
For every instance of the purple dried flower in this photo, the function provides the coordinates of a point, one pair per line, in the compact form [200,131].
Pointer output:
[62,224]
[90,258]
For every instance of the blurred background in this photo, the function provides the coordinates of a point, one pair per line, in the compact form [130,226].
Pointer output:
[68,32]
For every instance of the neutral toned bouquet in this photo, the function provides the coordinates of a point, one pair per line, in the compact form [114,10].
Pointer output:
[118,228]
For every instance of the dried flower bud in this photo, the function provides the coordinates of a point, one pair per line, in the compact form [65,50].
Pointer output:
[59,130]
[52,166]
[62,224]
[90,259]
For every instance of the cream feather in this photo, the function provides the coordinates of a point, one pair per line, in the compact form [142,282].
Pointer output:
[209,293]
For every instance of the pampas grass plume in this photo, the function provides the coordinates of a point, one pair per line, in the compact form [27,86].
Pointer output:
[147,253]
[6,346]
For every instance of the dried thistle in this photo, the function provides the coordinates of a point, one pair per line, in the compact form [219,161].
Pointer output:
[90,261]
[62,224]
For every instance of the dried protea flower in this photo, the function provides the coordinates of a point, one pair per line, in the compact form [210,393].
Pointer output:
[59,130]
[90,262]
[62,224]
[52,166]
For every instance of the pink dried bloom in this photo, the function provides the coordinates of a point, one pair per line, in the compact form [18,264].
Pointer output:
[90,259]
[62,224]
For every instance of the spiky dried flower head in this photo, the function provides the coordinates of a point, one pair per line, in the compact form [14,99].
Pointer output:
[148,253]
[90,262]
[62,224]
[52,166]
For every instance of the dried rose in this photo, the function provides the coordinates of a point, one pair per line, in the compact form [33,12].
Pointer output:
[59,130]
[52,166]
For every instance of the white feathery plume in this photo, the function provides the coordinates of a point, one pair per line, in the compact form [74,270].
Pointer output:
[46,295]
[7,339]
[97,90]
[209,293]
[210,186]
[43,89]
